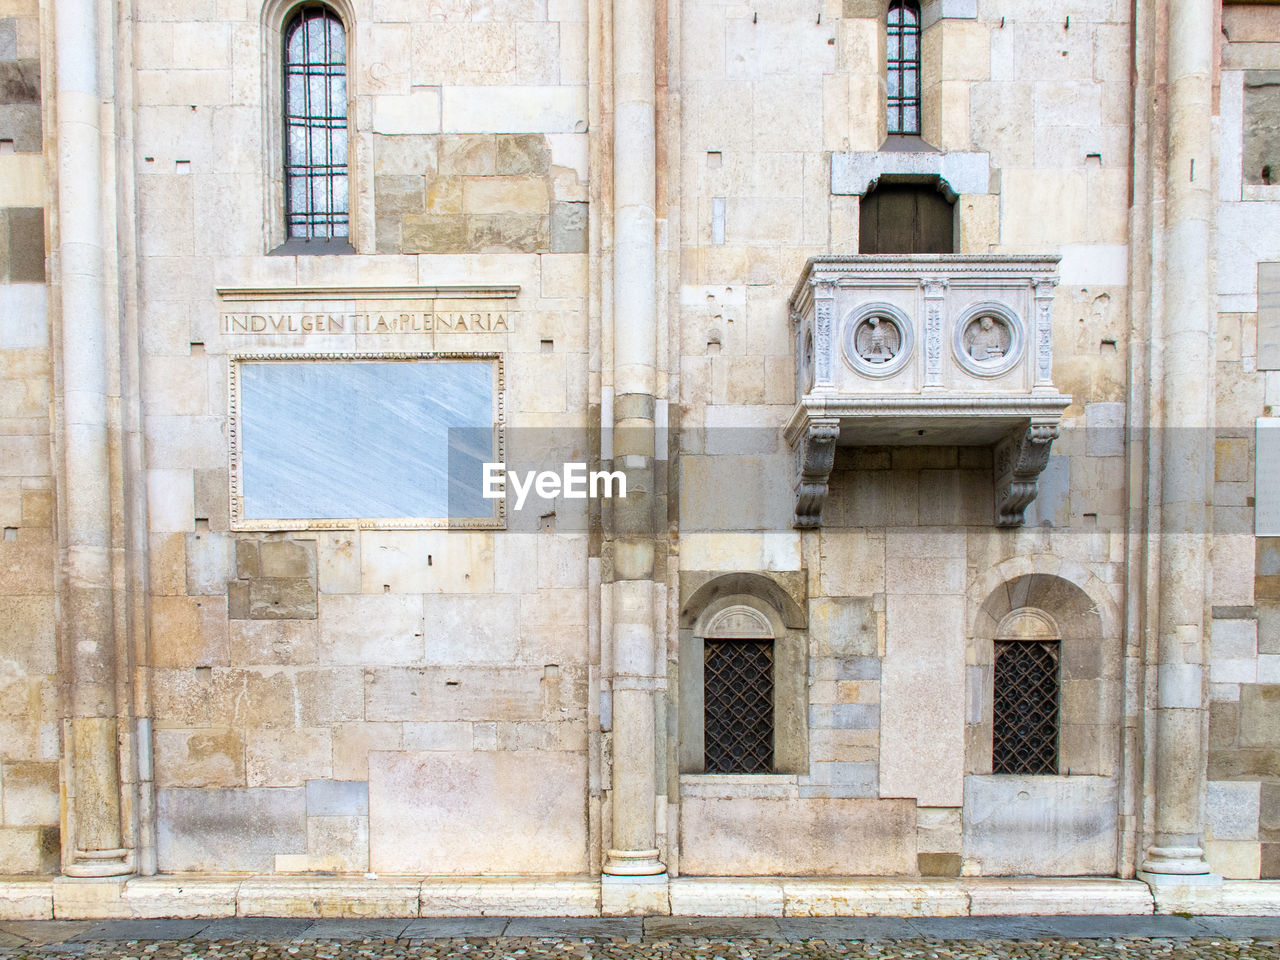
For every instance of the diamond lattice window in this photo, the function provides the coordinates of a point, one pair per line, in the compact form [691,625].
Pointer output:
[1025,733]
[738,705]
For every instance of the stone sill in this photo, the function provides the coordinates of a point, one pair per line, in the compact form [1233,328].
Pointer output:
[27,898]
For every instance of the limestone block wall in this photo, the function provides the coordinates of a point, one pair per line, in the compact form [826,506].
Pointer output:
[29,834]
[1243,803]
[907,552]
[401,701]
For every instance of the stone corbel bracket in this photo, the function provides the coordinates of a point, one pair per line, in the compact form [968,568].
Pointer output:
[1030,424]
[1020,458]
[815,454]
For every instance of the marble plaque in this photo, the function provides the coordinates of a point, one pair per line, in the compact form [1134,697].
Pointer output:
[1266,515]
[364,441]
[1269,316]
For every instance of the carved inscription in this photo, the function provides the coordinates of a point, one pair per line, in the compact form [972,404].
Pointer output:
[373,322]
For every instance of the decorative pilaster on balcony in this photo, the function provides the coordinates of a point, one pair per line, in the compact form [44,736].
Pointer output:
[926,349]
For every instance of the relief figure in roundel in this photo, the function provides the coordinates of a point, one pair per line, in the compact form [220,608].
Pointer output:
[877,340]
[987,338]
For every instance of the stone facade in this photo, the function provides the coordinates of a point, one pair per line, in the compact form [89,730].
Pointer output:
[633,230]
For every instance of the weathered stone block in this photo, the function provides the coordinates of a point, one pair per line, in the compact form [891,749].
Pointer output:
[522,153]
[188,632]
[1045,826]
[1269,868]
[1260,716]
[25,850]
[1233,859]
[338,562]
[494,233]
[399,194]
[338,844]
[1261,130]
[329,696]
[20,81]
[205,757]
[26,244]
[254,642]
[337,798]
[221,830]
[444,195]
[27,634]
[287,757]
[247,565]
[378,628]
[457,693]
[30,794]
[405,154]
[9,38]
[1232,810]
[1269,813]
[569,227]
[282,599]
[464,813]
[352,743]
[468,156]
[209,562]
[939,864]
[817,837]
[287,559]
[479,628]
[434,234]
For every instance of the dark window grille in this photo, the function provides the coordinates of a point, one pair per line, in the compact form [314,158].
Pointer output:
[738,706]
[315,124]
[1025,733]
[903,56]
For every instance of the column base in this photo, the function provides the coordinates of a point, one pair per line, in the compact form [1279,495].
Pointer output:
[635,896]
[91,864]
[633,863]
[1180,863]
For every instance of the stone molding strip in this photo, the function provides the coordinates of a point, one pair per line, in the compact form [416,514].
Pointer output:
[460,291]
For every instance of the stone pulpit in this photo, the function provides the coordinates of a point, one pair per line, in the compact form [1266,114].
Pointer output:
[935,349]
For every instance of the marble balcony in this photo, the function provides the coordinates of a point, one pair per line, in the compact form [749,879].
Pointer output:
[925,349]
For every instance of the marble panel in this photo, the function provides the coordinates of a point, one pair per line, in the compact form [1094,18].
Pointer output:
[370,440]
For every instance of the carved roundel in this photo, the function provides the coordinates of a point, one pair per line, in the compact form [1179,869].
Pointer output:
[989,339]
[877,340]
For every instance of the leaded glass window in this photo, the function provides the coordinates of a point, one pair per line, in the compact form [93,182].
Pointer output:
[315,124]
[903,58]
[738,706]
[1025,732]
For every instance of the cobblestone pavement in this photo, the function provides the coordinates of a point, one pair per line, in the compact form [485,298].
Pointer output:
[654,938]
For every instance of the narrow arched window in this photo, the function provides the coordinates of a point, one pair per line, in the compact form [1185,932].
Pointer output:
[903,60]
[315,124]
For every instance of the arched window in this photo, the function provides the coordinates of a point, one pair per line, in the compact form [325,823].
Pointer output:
[1025,686]
[903,59]
[315,124]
